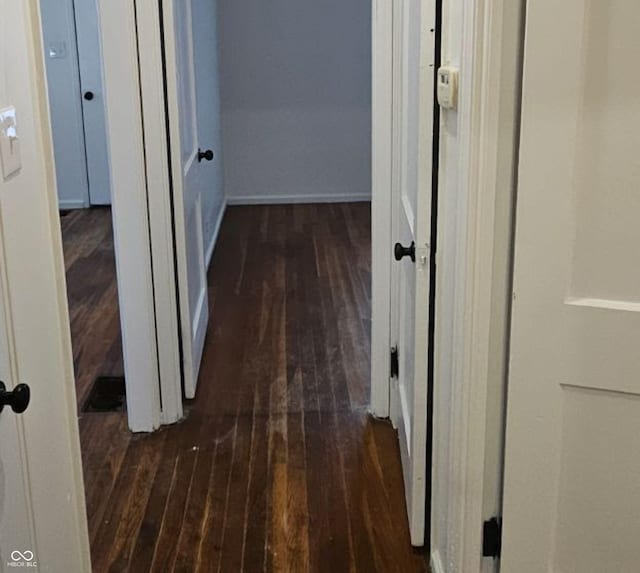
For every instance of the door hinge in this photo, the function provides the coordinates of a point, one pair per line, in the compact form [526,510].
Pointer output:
[394,362]
[492,538]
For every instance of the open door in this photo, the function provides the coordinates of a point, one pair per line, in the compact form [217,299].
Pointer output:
[42,510]
[414,42]
[190,93]
[572,474]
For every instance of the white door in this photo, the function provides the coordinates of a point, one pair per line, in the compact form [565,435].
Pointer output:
[42,511]
[413,137]
[93,104]
[188,161]
[572,476]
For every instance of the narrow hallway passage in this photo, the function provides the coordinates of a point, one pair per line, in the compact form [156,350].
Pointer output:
[277,466]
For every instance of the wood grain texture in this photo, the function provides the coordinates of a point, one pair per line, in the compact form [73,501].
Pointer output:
[277,466]
[92,295]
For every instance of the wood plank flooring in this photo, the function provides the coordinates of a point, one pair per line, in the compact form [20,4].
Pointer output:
[92,295]
[277,466]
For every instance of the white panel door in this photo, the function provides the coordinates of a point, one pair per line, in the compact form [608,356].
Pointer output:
[188,183]
[42,511]
[572,476]
[93,104]
[413,137]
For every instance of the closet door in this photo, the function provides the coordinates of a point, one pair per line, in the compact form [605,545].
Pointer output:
[93,106]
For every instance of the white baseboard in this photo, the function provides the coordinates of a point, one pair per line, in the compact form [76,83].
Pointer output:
[216,231]
[295,199]
[65,204]
[436,562]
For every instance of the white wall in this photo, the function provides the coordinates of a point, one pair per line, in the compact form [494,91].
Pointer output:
[63,79]
[296,99]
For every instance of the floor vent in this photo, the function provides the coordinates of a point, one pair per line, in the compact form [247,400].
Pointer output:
[107,395]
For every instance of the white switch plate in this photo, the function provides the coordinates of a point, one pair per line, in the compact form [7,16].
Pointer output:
[9,142]
[447,88]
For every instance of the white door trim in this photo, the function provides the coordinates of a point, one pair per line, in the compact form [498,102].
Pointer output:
[160,208]
[381,204]
[472,330]
[130,213]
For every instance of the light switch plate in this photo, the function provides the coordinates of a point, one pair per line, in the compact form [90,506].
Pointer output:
[447,88]
[9,142]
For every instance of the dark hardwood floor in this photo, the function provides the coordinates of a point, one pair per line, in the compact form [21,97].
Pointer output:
[92,295]
[277,466]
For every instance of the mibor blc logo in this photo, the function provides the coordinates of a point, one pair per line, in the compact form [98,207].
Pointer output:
[22,559]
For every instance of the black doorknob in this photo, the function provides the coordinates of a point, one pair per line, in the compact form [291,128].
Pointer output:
[18,399]
[208,155]
[88,96]
[399,251]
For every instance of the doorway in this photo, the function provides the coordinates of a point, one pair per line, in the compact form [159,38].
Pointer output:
[180,53]
[74,70]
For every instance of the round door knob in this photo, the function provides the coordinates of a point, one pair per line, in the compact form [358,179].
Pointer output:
[18,399]
[399,252]
[208,155]
[88,96]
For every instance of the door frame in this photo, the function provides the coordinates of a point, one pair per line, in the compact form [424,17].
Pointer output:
[157,166]
[382,113]
[478,175]
[141,212]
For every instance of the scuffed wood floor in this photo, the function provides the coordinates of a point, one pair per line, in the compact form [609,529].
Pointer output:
[277,466]
[93,296]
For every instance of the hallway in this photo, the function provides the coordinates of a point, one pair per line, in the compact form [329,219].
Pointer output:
[277,466]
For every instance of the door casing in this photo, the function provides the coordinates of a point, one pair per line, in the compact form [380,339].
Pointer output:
[478,155]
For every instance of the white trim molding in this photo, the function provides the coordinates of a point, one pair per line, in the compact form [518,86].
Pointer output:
[474,249]
[68,204]
[381,201]
[270,199]
[436,562]
[130,213]
[160,209]
[216,231]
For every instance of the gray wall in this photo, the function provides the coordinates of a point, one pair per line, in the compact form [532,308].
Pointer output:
[296,99]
